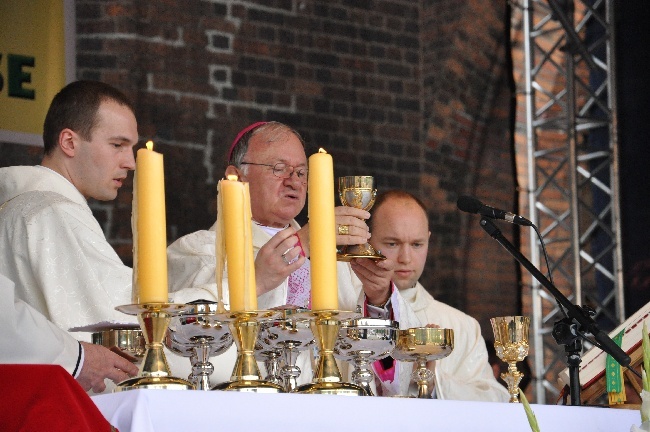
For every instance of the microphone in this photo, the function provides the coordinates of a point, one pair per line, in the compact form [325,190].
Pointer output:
[472,205]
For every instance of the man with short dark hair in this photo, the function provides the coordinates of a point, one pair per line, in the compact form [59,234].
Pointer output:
[51,246]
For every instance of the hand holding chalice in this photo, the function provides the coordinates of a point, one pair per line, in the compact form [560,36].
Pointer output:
[357,192]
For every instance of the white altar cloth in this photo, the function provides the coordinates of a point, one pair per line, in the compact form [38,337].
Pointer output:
[177,410]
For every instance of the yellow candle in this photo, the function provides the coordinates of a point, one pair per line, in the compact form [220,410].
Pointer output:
[237,218]
[322,237]
[149,229]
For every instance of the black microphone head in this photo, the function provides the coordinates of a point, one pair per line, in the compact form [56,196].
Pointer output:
[468,204]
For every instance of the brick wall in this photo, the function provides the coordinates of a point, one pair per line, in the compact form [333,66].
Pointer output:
[413,93]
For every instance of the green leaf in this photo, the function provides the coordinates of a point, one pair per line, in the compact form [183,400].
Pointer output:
[532,421]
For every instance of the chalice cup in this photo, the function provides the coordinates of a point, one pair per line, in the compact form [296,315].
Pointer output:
[357,192]
[363,341]
[511,346]
[420,345]
[199,335]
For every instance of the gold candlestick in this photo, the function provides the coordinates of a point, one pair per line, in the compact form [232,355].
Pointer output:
[154,370]
[511,345]
[325,326]
[245,377]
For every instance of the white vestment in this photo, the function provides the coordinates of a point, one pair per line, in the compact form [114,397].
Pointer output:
[52,246]
[28,337]
[55,250]
[465,374]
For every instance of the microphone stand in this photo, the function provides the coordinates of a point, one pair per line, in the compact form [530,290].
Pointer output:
[566,330]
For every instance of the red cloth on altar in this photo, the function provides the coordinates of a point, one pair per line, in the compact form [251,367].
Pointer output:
[38,398]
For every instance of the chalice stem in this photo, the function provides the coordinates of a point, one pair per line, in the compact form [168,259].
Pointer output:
[423,376]
[362,374]
[272,368]
[512,378]
[201,367]
[290,372]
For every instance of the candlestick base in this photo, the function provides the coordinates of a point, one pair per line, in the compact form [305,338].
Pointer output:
[154,373]
[325,326]
[245,377]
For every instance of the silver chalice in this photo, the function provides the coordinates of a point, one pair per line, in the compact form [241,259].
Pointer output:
[363,341]
[279,343]
[199,335]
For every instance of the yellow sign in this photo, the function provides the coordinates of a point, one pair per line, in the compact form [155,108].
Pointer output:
[33,69]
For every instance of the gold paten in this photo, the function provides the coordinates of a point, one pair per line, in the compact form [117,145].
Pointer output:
[358,192]
[511,346]
[420,345]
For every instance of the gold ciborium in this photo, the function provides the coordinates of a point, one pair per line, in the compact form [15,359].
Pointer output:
[420,345]
[357,192]
[511,345]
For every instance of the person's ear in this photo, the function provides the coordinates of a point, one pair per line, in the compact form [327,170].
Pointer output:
[68,141]
[233,170]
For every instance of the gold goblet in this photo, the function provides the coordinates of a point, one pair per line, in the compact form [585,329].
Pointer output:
[357,192]
[420,345]
[511,345]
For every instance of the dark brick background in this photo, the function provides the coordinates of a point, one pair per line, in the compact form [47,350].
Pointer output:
[413,93]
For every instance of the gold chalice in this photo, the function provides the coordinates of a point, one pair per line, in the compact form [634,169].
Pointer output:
[420,345]
[357,192]
[511,345]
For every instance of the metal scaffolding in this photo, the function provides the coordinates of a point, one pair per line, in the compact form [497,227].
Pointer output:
[571,136]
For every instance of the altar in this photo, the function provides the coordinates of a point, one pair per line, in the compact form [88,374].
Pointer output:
[161,411]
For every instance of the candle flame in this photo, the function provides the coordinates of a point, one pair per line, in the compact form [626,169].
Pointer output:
[321,150]
[232,177]
[149,145]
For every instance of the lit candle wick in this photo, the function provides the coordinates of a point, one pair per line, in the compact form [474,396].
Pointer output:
[149,145]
